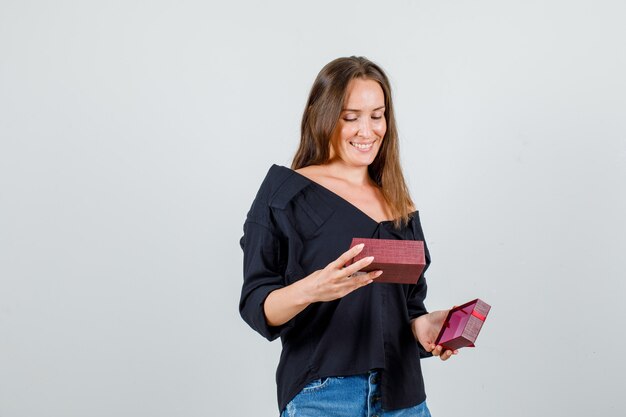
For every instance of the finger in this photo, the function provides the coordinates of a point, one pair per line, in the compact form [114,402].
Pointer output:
[446,355]
[374,274]
[347,255]
[357,266]
[437,350]
[366,278]
[354,282]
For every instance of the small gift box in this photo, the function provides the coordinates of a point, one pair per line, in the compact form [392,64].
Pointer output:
[402,261]
[463,324]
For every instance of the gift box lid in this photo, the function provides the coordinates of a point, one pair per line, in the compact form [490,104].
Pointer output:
[462,325]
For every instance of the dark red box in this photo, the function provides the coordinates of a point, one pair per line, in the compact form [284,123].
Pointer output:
[402,261]
[463,324]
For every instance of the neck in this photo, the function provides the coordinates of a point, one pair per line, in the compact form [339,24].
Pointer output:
[354,175]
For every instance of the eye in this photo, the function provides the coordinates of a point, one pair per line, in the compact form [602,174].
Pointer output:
[349,119]
[377,116]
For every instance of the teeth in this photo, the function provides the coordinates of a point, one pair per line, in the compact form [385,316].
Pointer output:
[362,145]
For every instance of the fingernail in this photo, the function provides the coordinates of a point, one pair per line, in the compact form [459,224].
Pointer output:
[360,245]
[370,258]
[379,273]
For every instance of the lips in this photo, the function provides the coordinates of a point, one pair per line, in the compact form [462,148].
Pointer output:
[362,146]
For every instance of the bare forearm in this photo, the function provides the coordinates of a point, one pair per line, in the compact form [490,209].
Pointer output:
[284,304]
[330,283]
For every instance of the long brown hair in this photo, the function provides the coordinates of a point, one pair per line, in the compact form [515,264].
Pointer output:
[320,117]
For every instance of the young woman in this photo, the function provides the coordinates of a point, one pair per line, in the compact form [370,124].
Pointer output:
[351,347]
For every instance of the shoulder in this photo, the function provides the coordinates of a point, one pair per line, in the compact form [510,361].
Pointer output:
[278,188]
[312,172]
[274,179]
[416,224]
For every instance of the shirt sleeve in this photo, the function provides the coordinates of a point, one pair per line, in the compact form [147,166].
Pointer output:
[416,308]
[415,299]
[417,292]
[262,273]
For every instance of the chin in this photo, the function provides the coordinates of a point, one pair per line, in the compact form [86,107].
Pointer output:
[359,162]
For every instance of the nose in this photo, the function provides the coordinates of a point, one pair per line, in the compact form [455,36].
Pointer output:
[365,127]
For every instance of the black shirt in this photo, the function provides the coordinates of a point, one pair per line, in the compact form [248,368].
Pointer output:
[295,227]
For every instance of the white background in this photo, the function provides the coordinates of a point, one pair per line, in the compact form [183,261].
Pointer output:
[133,138]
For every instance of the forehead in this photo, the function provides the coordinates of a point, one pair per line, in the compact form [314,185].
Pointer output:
[364,93]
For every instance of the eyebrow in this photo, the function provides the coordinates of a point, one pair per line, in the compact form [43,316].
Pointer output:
[357,110]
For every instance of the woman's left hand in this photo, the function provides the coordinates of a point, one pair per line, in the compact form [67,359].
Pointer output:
[426,329]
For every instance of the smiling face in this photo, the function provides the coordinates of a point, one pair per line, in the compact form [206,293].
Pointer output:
[361,127]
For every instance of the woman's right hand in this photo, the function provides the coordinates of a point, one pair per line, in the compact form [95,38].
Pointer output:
[330,283]
[335,281]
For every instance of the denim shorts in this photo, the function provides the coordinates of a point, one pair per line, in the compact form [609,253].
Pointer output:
[350,396]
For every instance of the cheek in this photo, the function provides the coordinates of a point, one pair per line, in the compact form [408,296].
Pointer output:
[381,129]
[348,131]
